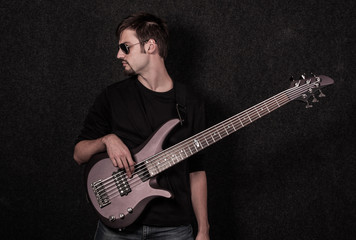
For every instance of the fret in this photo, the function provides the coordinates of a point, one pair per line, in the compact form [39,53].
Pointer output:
[273,107]
[178,157]
[212,141]
[197,144]
[174,159]
[150,168]
[253,117]
[183,151]
[212,137]
[223,133]
[248,117]
[276,101]
[258,113]
[209,140]
[266,107]
[230,129]
[219,134]
[237,124]
[187,154]
[233,127]
[203,142]
[153,169]
[206,141]
[194,149]
[226,129]
[159,167]
[171,160]
[263,110]
[242,125]
[190,150]
[245,121]
[179,154]
[168,162]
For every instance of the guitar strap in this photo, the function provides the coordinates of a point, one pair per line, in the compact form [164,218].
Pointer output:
[181,92]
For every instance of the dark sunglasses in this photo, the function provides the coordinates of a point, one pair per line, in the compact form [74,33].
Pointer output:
[126,48]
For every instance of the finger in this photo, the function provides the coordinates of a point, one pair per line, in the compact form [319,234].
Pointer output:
[128,167]
[131,164]
[118,163]
[112,158]
[132,168]
[114,162]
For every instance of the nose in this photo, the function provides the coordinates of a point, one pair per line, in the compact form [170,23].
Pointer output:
[120,54]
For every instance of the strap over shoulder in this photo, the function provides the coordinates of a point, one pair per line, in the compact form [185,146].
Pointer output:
[181,93]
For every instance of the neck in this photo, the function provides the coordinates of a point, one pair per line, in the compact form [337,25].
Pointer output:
[157,79]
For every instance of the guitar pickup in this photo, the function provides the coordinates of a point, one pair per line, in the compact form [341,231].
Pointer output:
[121,183]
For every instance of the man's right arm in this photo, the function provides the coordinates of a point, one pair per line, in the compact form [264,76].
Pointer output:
[85,149]
[118,152]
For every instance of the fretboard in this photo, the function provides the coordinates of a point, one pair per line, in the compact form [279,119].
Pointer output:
[180,151]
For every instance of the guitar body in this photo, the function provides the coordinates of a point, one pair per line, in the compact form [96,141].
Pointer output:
[123,210]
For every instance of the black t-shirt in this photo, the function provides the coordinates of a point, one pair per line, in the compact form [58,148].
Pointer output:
[133,113]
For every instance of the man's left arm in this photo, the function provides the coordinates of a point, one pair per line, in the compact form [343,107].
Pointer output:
[199,194]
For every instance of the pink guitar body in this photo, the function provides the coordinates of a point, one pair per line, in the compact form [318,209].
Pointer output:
[123,210]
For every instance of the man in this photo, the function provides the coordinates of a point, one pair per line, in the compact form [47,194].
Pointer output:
[126,113]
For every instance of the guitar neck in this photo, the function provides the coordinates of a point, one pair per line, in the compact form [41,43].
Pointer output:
[180,151]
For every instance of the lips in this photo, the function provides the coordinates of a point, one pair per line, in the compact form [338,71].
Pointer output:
[124,63]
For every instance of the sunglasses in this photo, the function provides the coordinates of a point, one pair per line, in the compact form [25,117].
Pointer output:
[126,48]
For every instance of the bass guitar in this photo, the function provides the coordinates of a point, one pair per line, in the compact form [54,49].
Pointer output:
[119,200]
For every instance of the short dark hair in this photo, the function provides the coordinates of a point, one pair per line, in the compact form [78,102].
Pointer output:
[147,26]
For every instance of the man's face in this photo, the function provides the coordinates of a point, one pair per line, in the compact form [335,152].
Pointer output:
[133,58]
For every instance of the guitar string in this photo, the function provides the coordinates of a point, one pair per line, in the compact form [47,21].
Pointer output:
[220,128]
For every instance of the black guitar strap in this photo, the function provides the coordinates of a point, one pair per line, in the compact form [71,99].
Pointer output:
[181,92]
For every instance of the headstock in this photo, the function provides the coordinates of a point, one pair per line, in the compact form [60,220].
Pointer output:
[307,87]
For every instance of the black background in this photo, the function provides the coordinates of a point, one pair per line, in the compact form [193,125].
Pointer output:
[290,175]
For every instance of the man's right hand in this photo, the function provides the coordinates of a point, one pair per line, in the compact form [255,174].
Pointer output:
[119,153]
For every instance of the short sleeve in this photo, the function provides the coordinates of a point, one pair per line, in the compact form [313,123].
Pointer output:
[96,124]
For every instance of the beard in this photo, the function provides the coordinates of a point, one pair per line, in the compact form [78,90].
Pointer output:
[130,71]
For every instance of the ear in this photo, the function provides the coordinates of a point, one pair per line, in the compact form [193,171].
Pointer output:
[151,46]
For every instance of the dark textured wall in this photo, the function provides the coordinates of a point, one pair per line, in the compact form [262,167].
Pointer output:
[290,175]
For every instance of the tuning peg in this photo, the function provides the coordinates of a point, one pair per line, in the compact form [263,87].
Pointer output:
[302,76]
[314,99]
[308,105]
[291,78]
[321,94]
